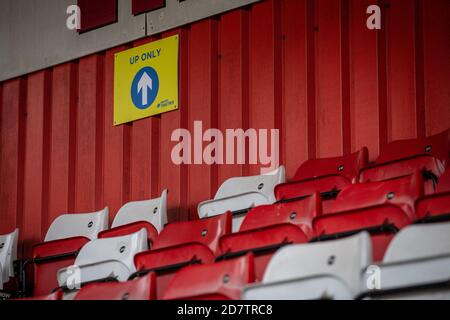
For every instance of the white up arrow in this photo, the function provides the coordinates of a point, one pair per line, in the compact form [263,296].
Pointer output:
[144,83]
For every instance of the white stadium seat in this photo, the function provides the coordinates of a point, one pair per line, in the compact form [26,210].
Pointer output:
[322,287]
[416,264]
[153,211]
[324,270]
[241,193]
[8,254]
[105,258]
[78,225]
[429,240]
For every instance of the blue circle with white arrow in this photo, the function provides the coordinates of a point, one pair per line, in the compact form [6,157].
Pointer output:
[145,87]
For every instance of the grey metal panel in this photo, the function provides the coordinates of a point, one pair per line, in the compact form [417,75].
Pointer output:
[33,35]
[180,13]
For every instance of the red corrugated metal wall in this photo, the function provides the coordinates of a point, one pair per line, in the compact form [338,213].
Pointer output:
[310,68]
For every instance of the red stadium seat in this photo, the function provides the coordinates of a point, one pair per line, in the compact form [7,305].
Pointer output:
[49,258]
[143,288]
[437,146]
[219,281]
[204,231]
[323,175]
[430,167]
[444,182]
[402,192]
[399,158]
[433,208]
[436,207]
[381,208]
[265,229]
[181,244]
[67,234]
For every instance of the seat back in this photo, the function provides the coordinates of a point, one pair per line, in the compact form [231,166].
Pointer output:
[8,254]
[347,166]
[344,259]
[299,212]
[205,231]
[325,176]
[419,242]
[166,262]
[382,222]
[444,182]
[78,225]
[139,289]
[264,184]
[434,207]
[120,249]
[437,146]
[382,208]
[268,228]
[153,211]
[401,192]
[400,158]
[218,281]
[431,169]
[49,258]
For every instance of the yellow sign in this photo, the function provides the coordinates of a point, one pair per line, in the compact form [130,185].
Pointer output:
[146,80]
